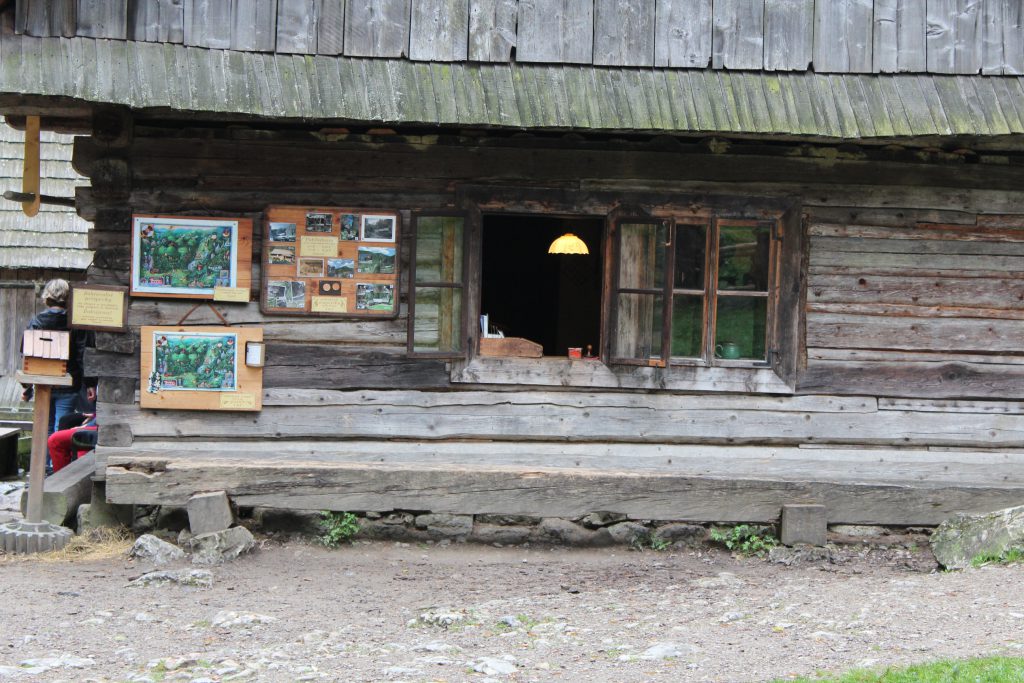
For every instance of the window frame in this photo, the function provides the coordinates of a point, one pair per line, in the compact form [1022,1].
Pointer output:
[712,223]
[463,347]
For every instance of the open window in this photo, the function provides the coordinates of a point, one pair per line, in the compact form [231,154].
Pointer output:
[694,292]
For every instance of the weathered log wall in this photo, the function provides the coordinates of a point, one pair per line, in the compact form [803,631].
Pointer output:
[914,296]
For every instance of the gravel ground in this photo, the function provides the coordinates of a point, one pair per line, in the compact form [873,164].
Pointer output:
[399,612]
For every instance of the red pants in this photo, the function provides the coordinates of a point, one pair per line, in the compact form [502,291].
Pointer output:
[61,449]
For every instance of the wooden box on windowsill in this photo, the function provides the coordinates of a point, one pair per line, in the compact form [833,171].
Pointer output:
[516,347]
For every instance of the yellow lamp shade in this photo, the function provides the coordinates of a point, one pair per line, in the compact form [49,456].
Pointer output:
[568,244]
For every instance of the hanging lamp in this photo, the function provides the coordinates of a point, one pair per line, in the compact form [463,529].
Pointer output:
[568,244]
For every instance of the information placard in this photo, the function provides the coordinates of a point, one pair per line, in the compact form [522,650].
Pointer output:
[98,307]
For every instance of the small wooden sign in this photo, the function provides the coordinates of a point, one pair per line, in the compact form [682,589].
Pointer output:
[98,307]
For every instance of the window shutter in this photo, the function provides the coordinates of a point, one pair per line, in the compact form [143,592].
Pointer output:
[437,286]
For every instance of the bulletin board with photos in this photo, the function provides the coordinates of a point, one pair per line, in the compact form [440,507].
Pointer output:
[330,262]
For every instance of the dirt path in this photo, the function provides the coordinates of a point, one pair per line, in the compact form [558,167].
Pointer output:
[301,612]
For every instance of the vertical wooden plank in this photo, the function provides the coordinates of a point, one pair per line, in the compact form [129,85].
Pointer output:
[208,23]
[439,31]
[899,36]
[556,31]
[330,38]
[911,30]
[885,37]
[157,21]
[492,30]
[62,18]
[377,28]
[682,33]
[624,32]
[967,46]
[992,36]
[737,37]
[842,36]
[103,19]
[954,36]
[1013,38]
[296,26]
[788,34]
[254,25]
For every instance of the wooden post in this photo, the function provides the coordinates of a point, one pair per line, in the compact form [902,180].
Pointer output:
[37,465]
[30,170]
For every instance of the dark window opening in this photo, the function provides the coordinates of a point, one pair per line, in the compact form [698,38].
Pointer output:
[553,300]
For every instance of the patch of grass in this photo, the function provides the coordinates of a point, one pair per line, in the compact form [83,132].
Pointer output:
[650,541]
[745,539]
[339,527]
[1008,556]
[982,670]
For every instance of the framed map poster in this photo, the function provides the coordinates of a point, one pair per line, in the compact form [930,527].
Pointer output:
[188,257]
[199,368]
[330,262]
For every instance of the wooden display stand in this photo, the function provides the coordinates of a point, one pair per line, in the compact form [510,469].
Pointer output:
[167,388]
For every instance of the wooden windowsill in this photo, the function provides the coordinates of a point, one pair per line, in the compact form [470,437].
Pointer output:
[589,373]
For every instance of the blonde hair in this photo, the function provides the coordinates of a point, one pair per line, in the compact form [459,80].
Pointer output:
[55,293]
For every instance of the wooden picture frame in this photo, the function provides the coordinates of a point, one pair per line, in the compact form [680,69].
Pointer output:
[102,308]
[187,368]
[188,257]
[299,237]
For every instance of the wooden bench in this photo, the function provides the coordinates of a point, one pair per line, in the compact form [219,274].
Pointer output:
[9,452]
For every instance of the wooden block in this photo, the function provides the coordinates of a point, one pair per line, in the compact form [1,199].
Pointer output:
[511,346]
[51,380]
[44,366]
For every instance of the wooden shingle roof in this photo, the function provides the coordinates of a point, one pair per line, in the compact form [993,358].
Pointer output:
[160,76]
[56,238]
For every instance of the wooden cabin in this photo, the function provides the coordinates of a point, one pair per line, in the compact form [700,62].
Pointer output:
[805,225]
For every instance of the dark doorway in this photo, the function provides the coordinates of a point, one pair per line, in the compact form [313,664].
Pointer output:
[554,300]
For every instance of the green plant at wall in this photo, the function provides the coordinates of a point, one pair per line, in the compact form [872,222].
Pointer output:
[338,528]
[1008,556]
[745,539]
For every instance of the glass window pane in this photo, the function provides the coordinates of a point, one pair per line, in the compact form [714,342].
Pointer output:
[439,249]
[740,328]
[437,327]
[743,252]
[691,248]
[638,326]
[687,325]
[642,255]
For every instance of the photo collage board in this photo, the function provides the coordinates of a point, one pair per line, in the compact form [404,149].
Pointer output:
[330,262]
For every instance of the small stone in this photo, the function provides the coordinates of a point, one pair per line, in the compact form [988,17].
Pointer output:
[220,546]
[628,533]
[666,651]
[150,548]
[435,646]
[596,520]
[510,620]
[442,618]
[145,618]
[228,619]
[446,525]
[402,671]
[564,532]
[857,530]
[500,535]
[199,578]
[492,666]
[730,617]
